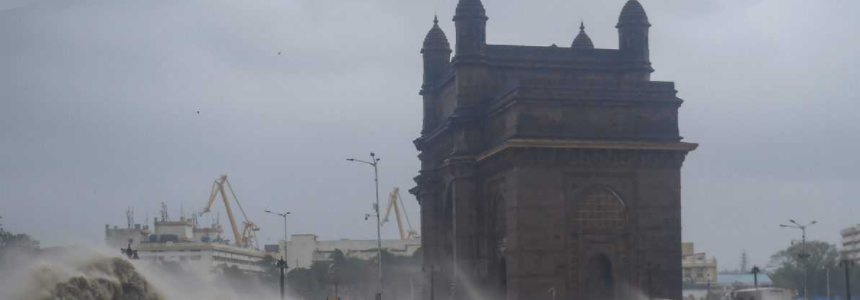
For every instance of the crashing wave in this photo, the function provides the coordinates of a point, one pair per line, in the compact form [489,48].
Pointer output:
[105,279]
[72,274]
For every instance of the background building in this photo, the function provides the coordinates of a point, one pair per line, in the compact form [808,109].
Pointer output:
[304,249]
[851,243]
[184,242]
[120,237]
[698,267]
[202,256]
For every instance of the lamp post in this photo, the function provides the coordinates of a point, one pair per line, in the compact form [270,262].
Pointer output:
[847,263]
[708,294]
[374,162]
[333,271]
[282,263]
[803,255]
[755,271]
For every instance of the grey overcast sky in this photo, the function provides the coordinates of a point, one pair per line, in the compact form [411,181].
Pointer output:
[100,100]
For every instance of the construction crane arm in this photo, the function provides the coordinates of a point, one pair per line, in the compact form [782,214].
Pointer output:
[240,241]
[247,236]
[392,203]
[218,188]
[212,195]
[403,235]
[388,210]
[412,233]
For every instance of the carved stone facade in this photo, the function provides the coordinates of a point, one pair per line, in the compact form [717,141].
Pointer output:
[548,172]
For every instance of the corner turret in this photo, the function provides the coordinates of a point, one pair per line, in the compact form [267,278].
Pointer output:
[633,32]
[471,23]
[437,55]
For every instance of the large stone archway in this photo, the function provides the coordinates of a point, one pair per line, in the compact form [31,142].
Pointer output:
[564,134]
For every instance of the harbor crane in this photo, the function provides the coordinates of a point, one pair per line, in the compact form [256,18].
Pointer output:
[393,200]
[247,237]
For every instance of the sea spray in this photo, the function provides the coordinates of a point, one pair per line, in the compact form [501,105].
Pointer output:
[93,273]
[108,279]
[73,273]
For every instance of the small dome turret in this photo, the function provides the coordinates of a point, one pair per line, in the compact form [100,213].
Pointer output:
[436,39]
[437,55]
[582,41]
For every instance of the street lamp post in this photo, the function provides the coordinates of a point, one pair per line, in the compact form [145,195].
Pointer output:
[374,162]
[803,255]
[282,263]
[708,294]
[332,270]
[847,263]
[755,271]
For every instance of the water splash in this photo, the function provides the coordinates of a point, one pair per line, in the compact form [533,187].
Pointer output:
[468,287]
[86,273]
[73,274]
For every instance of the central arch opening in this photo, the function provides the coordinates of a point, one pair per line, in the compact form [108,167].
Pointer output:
[600,282]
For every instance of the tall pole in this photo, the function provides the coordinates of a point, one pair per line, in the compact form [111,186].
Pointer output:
[282,263]
[378,223]
[755,271]
[708,294]
[847,264]
[803,255]
[332,269]
[805,263]
[284,258]
[374,162]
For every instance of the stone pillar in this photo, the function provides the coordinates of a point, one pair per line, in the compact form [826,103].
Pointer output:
[466,260]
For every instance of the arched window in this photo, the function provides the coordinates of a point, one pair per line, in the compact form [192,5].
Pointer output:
[602,209]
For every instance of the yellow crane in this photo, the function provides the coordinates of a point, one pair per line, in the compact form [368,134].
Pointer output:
[245,238]
[393,200]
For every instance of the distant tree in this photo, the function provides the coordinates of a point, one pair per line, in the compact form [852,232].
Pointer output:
[310,283]
[20,242]
[337,257]
[271,273]
[823,258]
[356,278]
